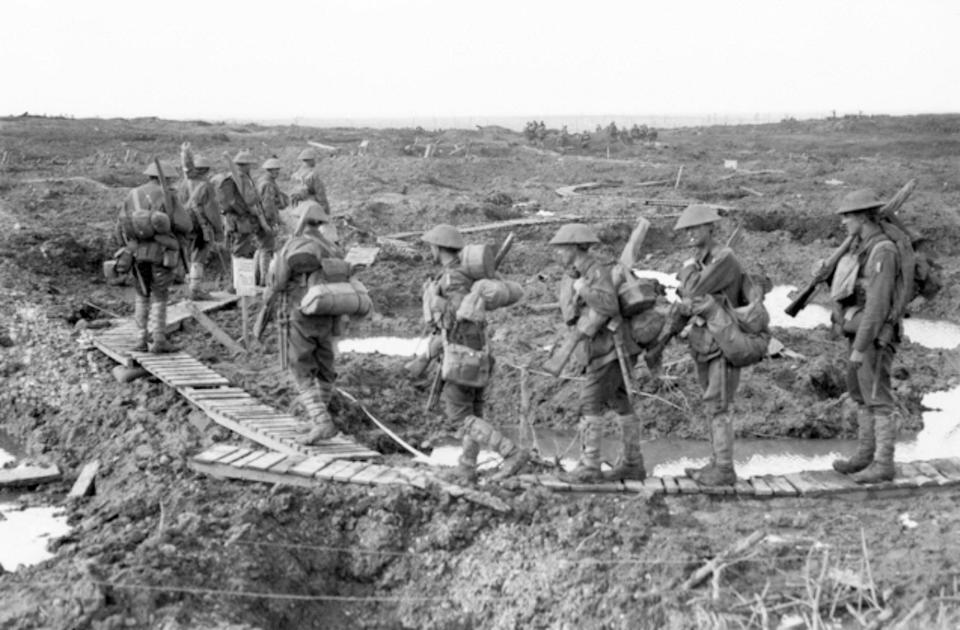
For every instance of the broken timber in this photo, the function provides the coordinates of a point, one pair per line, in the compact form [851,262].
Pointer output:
[84,485]
[217,332]
[498,225]
[28,475]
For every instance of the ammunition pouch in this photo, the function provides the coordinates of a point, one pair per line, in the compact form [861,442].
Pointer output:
[465,366]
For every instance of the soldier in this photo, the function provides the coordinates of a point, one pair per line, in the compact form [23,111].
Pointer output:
[199,198]
[310,344]
[596,303]
[308,185]
[443,298]
[863,287]
[714,273]
[150,226]
[272,200]
[239,203]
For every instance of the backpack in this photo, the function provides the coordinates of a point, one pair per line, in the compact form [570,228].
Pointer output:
[742,332]
[637,298]
[917,272]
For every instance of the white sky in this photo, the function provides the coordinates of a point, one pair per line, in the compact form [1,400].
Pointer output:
[423,58]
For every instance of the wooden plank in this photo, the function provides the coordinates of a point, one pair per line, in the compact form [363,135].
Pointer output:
[347,473]
[249,474]
[930,471]
[760,487]
[654,485]
[215,452]
[234,456]
[253,456]
[84,485]
[369,473]
[804,485]
[917,478]
[267,461]
[335,466]
[833,482]
[389,476]
[687,485]
[309,466]
[28,475]
[948,467]
[287,463]
[781,487]
[554,483]
[217,332]
[670,484]
[743,488]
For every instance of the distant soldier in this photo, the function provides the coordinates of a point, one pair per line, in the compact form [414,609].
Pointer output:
[245,226]
[311,338]
[308,185]
[712,275]
[595,303]
[863,286]
[197,195]
[150,225]
[272,200]
[443,298]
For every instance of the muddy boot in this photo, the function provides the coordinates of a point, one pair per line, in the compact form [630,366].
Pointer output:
[866,444]
[314,403]
[588,468]
[487,435]
[630,464]
[465,472]
[881,468]
[711,463]
[160,343]
[195,291]
[141,315]
[720,472]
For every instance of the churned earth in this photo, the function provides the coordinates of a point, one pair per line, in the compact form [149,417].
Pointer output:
[160,546]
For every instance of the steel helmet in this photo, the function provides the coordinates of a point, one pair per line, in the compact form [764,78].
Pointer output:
[245,157]
[697,214]
[307,154]
[201,162]
[310,211]
[574,234]
[169,170]
[444,235]
[272,163]
[859,200]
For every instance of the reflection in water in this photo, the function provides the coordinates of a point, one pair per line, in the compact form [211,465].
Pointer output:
[24,534]
[394,346]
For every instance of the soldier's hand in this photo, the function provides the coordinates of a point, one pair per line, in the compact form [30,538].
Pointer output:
[856,357]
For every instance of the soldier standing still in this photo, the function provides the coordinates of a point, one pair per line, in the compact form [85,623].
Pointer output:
[273,200]
[442,299]
[713,271]
[596,303]
[151,231]
[311,338]
[863,287]
[198,197]
[308,185]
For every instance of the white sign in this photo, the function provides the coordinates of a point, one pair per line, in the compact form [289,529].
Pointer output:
[244,276]
[362,255]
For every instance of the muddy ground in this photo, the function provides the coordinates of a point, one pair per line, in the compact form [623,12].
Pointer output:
[159,546]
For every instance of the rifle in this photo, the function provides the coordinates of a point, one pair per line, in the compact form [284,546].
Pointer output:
[168,203]
[626,371]
[270,298]
[238,181]
[887,212]
[436,385]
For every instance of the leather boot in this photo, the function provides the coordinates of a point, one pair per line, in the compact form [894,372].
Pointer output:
[160,343]
[465,472]
[712,462]
[141,315]
[630,464]
[196,291]
[881,468]
[314,398]
[866,445]
[588,468]
[720,472]
[513,456]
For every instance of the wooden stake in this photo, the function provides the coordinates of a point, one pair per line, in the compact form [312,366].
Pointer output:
[217,332]
[244,320]
[679,173]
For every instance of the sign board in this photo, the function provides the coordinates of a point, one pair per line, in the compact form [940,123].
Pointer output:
[362,255]
[244,280]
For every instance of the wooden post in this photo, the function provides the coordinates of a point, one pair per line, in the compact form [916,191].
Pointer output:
[676,184]
[244,320]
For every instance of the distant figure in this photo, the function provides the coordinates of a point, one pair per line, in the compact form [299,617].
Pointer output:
[199,199]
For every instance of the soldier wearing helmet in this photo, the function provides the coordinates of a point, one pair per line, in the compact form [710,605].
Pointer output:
[272,200]
[862,287]
[197,195]
[593,303]
[246,227]
[310,338]
[714,272]
[463,405]
[151,231]
[307,182]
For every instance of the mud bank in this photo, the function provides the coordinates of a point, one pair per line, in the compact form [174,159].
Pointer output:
[161,547]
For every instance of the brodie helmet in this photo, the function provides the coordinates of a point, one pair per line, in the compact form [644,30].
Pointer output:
[697,214]
[574,234]
[859,200]
[444,235]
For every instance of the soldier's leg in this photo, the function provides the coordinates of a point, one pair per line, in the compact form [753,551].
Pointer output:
[318,366]
[630,463]
[141,311]
[478,431]
[874,382]
[163,278]
[723,380]
[592,402]
[866,438]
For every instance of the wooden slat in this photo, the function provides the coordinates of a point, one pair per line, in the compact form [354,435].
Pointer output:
[252,457]
[335,466]
[760,487]
[215,452]
[781,487]
[804,485]
[916,477]
[310,466]
[27,475]
[85,482]
[368,474]
[670,484]
[347,473]
[930,471]
[654,485]
[833,482]
[687,485]
[743,488]
[948,467]
[266,461]
[284,465]
[553,482]
[240,453]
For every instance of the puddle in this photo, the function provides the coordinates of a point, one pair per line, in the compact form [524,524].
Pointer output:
[24,534]
[393,346]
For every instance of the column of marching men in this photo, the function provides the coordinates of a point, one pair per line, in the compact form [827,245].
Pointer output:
[182,219]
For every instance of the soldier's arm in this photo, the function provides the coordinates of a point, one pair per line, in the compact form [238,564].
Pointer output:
[319,191]
[718,275]
[598,293]
[880,275]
